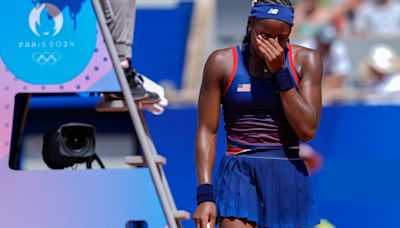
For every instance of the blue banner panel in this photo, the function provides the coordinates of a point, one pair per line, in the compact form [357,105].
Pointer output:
[41,41]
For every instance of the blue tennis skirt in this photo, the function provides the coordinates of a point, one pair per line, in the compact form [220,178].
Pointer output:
[271,188]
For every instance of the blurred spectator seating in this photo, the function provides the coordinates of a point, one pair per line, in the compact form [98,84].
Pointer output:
[379,75]
[311,15]
[377,18]
[334,54]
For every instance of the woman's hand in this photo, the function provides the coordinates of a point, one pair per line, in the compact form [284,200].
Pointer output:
[273,53]
[206,213]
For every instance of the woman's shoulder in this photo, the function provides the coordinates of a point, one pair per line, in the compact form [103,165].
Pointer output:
[221,56]
[303,55]
[306,59]
[221,61]
[301,52]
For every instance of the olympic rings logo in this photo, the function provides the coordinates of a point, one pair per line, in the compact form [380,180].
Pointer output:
[46,58]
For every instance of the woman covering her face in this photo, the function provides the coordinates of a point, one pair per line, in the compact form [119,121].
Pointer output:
[270,93]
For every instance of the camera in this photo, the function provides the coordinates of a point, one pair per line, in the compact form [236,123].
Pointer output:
[70,144]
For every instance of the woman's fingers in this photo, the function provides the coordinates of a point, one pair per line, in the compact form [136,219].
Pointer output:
[213,220]
[263,43]
[265,53]
[265,50]
[198,224]
[205,215]
[273,53]
[275,43]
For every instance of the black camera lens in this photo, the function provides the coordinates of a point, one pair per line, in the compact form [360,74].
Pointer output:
[76,142]
[70,144]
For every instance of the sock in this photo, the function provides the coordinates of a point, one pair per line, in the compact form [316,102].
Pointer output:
[125,64]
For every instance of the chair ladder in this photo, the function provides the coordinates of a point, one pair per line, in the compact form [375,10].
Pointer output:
[150,155]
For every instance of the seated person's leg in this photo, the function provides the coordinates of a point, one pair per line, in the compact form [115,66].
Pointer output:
[120,15]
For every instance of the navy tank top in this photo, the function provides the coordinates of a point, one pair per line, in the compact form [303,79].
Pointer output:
[253,113]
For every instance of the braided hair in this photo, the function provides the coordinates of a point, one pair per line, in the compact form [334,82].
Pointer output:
[287,3]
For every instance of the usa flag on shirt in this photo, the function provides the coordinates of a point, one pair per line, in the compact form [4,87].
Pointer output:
[244,88]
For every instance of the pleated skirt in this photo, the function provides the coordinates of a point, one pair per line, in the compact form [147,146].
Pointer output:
[271,188]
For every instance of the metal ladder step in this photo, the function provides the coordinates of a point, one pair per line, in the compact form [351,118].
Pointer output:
[112,106]
[181,215]
[117,105]
[140,160]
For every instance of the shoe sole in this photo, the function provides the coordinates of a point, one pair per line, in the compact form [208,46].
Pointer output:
[119,105]
[151,101]
[136,99]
